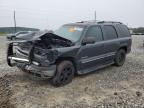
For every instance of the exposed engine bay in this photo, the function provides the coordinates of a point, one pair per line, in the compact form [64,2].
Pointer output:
[39,50]
[50,40]
[45,40]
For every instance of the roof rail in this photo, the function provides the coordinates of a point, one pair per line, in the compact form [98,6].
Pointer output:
[109,22]
[81,22]
[98,21]
[89,21]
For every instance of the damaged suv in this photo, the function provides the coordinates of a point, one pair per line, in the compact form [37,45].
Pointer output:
[76,48]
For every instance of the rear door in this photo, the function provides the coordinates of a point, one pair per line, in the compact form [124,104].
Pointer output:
[124,36]
[111,42]
[90,54]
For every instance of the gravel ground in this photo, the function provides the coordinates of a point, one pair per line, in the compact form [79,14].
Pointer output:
[111,87]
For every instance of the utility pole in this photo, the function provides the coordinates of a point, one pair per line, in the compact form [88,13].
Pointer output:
[15,22]
[95,16]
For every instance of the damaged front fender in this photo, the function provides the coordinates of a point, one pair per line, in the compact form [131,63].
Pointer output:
[38,53]
[39,48]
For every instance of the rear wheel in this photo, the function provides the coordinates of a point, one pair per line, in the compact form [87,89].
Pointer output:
[120,57]
[64,74]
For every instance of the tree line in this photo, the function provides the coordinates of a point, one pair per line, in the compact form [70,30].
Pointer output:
[6,30]
[138,30]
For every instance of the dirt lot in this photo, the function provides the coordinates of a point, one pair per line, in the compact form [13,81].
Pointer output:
[111,87]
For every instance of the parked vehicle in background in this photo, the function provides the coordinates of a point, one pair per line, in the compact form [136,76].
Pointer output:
[76,48]
[13,36]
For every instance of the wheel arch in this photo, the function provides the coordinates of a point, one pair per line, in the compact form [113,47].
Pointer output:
[72,59]
[123,47]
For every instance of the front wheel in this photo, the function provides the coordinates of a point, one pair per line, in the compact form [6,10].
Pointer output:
[64,74]
[120,57]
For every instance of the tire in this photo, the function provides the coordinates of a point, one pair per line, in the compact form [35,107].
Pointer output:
[120,57]
[64,74]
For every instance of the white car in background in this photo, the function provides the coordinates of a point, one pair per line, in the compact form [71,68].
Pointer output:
[13,36]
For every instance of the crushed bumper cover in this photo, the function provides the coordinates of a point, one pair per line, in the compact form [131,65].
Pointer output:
[29,65]
[33,69]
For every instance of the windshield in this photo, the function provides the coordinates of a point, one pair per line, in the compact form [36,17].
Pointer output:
[72,33]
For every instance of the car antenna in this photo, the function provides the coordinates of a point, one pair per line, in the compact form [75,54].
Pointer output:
[95,16]
[15,29]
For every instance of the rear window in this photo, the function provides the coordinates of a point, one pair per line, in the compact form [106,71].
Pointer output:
[109,32]
[122,31]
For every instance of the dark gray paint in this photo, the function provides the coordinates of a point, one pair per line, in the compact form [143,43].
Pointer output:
[87,57]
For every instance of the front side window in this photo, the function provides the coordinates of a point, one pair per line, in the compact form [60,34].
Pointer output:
[109,32]
[95,32]
[72,33]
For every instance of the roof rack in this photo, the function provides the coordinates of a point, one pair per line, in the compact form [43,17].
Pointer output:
[97,21]
[90,21]
[109,22]
[81,22]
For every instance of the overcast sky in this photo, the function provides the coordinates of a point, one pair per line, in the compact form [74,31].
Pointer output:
[50,14]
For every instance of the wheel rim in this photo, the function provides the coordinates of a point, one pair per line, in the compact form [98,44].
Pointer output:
[66,74]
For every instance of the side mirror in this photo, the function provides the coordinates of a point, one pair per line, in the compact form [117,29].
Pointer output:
[88,40]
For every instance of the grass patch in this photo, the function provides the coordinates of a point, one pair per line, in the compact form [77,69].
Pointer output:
[3,34]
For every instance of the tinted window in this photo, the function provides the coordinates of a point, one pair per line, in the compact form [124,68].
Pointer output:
[96,32]
[122,30]
[109,32]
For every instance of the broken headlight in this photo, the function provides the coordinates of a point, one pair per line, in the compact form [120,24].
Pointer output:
[47,54]
[52,55]
[39,51]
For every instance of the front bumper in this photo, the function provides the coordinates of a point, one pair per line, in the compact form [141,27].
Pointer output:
[29,65]
[33,69]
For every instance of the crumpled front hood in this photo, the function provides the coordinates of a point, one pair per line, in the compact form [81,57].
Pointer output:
[39,36]
[44,40]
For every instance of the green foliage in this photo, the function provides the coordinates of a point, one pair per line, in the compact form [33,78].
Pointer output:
[4,30]
[138,30]
[3,34]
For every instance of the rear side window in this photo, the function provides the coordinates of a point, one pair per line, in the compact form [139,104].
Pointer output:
[95,31]
[122,31]
[109,32]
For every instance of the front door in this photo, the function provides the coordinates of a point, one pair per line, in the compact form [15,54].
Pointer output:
[91,55]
